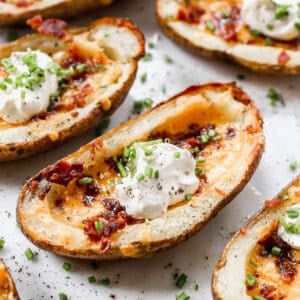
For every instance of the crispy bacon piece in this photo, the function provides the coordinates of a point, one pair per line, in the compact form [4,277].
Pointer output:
[54,27]
[273,203]
[283,58]
[191,14]
[62,172]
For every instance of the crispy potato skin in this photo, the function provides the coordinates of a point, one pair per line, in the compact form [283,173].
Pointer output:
[248,228]
[60,9]
[20,150]
[6,277]
[148,247]
[253,65]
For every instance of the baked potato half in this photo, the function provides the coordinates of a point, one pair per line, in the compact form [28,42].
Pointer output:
[71,207]
[261,260]
[103,58]
[215,28]
[7,286]
[18,11]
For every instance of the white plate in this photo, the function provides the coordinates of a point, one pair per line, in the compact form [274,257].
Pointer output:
[153,278]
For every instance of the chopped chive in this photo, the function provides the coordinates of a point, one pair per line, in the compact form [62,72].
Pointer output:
[140,177]
[200,160]
[100,68]
[99,225]
[181,280]
[144,77]
[151,45]
[297,24]
[177,154]
[67,266]
[121,169]
[105,281]
[210,26]
[285,197]
[23,94]
[188,197]
[253,263]
[276,251]
[258,298]
[183,296]
[2,243]
[29,254]
[274,97]
[268,41]
[293,165]
[196,287]
[270,26]
[147,57]
[254,32]
[250,280]
[204,138]
[281,11]
[148,171]
[92,279]
[63,296]
[3,86]
[156,174]
[196,150]
[85,180]
[81,68]
[225,13]
[211,133]
[168,59]
[217,138]
[293,213]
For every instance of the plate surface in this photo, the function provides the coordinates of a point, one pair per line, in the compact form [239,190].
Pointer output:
[170,70]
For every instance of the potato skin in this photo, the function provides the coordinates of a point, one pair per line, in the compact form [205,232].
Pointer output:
[252,64]
[13,294]
[126,246]
[61,9]
[249,229]
[20,150]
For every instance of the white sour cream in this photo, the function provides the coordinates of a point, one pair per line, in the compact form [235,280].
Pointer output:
[20,104]
[260,15]
[293,239]
[150,197]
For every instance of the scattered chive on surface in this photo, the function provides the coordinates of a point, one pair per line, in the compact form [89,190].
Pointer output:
[250,280]
[181,280]
[293,165]
[85,180]
[183,296]
[29,254]
[67,266]
[99,225]
[105,281]
[275,251]
[92,279]
[2,243]
[63,296]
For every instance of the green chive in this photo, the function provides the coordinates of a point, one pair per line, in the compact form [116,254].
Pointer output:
[181,280]
[92,279]
[276,251]
[268,41]
[23,94]
[200,160]
[297,24]
[188,197]
[29,254]
[225,13]
[99,225]
[285,197]
[209,25]
[258,298]
[2,243]
[121,169]
[293,165]
[156,174]
[177,154]
[204,138]
[85,180]
[151,45]
[270,26]
[148,172]
[140,177]
[3,86]
[293,213]
[63,296]
[143,77]
[168,59]
[217,138]
[281,11]
[183,296]
[250,280]
[253,263]
[105,281]
[254,32]
[196,150]
[147,57]
[67,266]
[211,132]
[274,97]
[199,171]
[196,287]
[81,68]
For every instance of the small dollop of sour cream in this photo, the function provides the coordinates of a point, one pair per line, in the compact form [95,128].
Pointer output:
[289,228]
[278,19]
[162,178]
[26,91]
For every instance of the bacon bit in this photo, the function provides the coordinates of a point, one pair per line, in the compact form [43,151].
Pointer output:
[114,219]
[193,142]
[283,58]
[22,3]
[251,129]
[62,172]
[220,192]
[230,133]
[273,203]
[243,230]
[74,114]
[191,14]
[32,185]
[54,27]
[91,192]
[44,191]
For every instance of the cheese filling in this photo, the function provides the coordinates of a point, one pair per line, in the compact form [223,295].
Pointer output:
[277,19]
[164,175]
[289,228]
[25,92]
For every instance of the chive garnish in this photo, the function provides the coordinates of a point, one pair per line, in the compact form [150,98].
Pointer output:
[92,279]
[29,254]
[177,154]
[99,225]
[181,280]
[105,281]
[183,296]
[188,197]
[85,180]
[121,169]
[63,296]
[250,280]
[2,243]
[67,266]
[210,26]
[276,251]
[293,213]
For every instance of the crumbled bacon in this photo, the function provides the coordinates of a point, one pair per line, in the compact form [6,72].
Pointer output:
[62,172]
[243,230]
[190,14]
[273,203]
[90,193]
[230,133]
[114,218]
[283,58]
[32,185]
[54,27]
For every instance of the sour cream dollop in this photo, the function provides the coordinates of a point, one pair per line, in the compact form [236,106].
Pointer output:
[26,91]
[274,18]
[172,171]
[291,217]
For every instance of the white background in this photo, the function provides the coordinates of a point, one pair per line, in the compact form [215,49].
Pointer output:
[153,278]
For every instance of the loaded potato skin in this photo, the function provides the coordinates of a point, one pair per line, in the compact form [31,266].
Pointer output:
[7,286]
[95,65]
[75,208]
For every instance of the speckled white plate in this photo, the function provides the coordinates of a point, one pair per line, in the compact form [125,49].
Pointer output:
[152,278]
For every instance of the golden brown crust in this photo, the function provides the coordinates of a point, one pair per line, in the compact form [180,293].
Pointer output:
[249,62]
[8,289]
[62,9]
[128,243]
[18,150]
